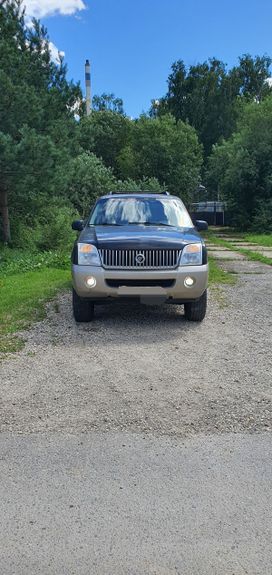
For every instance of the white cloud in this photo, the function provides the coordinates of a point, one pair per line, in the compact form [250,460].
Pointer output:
[42,8]
[269,82]
[75,109]
[55,53]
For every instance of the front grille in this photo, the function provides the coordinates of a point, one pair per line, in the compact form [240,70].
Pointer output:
[140,283]
[140,259]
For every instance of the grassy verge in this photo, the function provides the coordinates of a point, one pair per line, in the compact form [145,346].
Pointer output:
[217,275]
[260,239]
[22,301]
[212,231]
[253,256]
[14,261]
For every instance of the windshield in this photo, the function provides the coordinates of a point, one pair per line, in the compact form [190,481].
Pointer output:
[148,211]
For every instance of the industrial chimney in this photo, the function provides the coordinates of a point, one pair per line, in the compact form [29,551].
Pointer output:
[88,87]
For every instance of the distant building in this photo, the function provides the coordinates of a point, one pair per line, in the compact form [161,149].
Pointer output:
[213,212]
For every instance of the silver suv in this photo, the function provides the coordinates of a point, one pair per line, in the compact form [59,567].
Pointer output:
[140,246]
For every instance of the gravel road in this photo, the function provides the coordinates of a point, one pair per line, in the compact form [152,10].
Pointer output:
[145,374]
[145,369]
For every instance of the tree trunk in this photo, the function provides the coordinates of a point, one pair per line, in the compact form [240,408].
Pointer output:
[5,214]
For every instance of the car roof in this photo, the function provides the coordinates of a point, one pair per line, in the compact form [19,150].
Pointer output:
[139,194]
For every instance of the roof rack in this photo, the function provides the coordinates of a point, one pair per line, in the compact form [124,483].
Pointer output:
[138,192]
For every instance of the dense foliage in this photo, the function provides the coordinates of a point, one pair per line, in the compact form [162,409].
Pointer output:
[231,111]
[55,161]
[241,168]
[146,148]
[210,97]
[37,126]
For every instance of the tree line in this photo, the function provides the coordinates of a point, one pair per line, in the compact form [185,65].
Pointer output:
[231,111]
[212,126]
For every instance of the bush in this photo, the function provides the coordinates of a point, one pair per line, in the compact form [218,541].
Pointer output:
[24,236]
[51,230]
[13,261]
[90,178]
[145,185]
[262,219]
[56,228]
[241,169]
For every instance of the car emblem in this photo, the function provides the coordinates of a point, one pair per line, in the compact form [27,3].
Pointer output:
[140,259]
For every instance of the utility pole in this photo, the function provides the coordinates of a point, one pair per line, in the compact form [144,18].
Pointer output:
[88,87]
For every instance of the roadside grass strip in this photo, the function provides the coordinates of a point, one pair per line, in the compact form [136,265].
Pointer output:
[259,239]
[233,236]
[217,275]
[251,255]
[22,301]
[16,261]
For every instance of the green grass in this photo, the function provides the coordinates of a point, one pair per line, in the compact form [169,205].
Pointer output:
[256,257]
[211,232]
[217,275]
[14,261]
[260,239]
[22,301]
[253,256]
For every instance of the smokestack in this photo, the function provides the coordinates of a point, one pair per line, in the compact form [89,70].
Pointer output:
[88,86]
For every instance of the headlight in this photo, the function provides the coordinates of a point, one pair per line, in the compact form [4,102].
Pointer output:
[191,255]
[88,255]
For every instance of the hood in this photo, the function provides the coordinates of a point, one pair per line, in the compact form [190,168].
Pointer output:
[139,237]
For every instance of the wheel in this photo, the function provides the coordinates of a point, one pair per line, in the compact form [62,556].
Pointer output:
[196,310]
[83,309]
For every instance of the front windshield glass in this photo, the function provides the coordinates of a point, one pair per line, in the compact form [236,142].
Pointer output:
[135,210]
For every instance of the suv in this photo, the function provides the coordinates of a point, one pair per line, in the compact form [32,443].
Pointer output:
[140,246]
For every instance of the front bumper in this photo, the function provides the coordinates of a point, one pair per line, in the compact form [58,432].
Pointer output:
[176,292]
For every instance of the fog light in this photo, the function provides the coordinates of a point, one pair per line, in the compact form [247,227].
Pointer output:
[189,282]
[91,282]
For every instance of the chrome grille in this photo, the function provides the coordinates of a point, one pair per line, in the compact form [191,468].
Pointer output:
[140,259]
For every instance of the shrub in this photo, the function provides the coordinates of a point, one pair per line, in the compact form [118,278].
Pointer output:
[51,230]
[56,231]
[262,219]
[13,261]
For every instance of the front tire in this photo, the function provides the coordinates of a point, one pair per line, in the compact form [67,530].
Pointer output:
[196,310]
[83,309]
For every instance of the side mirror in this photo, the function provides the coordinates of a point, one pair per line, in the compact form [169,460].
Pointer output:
[78,225]
[201,225]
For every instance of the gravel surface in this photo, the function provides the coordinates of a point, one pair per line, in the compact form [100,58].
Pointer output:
[140,444]
[145,369]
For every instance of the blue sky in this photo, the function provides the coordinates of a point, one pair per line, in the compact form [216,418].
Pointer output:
[132,43]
